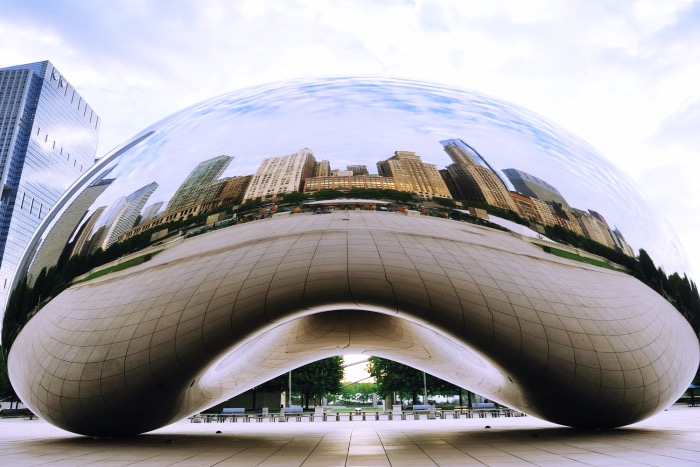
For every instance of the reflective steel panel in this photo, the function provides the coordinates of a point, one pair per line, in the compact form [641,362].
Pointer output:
[376,157]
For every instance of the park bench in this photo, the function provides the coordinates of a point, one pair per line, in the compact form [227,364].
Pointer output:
[485,408]
[233,414]
[293,412]
[24,413]
[508,412]
[424,411]
[462,412]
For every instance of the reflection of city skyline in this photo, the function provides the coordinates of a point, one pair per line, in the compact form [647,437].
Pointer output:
[469,177]
[395,115]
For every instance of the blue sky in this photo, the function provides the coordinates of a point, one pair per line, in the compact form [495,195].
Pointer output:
[621,74]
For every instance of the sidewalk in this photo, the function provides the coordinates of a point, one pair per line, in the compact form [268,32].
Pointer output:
[670,438]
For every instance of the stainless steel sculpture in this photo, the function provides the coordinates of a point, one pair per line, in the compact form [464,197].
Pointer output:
[188,318]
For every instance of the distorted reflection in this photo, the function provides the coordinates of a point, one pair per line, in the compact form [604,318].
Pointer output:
[535,289]
[265,151]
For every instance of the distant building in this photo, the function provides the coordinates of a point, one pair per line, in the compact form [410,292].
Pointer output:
[533,209]
[149,212]
[57,240]
[358,169]
[600,218]
[624,246]
[344,183]
[280,175]
[412,175]
[121,216]
[534,187]
[234,188]
[464,154]
[450,184]
[565,218]
[48,138]
[230,191]
[591,227]
[84,237]
[197,184]
[341,173]
[322,169]
[474,178]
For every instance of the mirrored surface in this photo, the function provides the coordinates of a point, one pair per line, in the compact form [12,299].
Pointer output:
[354,122]
[335,145]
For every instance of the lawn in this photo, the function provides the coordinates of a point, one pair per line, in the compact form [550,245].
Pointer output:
[125,265]
[575,257]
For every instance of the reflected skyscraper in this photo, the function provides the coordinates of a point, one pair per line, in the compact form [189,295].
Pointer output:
[122,216]
[150,212]
[53,248]
[83,241]
[412,175]
[345,183]
[622,243]
[534,187]
[322,169]
[358,169]
[48,138]
[474,178]
[591,228]
[280,175]
[201,176]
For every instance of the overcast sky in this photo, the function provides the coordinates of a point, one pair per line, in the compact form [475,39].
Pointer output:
[622,75]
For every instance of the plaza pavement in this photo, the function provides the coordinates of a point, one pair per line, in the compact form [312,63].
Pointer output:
[669,438]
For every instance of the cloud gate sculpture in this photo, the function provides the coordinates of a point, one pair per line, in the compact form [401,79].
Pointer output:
[268,228]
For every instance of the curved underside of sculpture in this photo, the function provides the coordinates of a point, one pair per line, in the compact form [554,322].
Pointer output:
[213,316]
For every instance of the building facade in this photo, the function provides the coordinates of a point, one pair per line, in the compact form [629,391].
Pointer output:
[534,187]
[474,178]
[56,243]
[280,175]
[122,216]
[322,169]
[370,182]
[192,189]
[412,175]
[234,188]
[150,212]
[48,138]
[358,169]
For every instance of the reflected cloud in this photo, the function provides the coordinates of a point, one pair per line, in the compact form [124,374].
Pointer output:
[425,140]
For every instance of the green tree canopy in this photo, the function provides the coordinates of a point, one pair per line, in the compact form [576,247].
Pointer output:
[6,389]
[312,381]
[358,392]
[406,381]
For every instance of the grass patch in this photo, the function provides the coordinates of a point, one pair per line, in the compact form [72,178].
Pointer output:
[119,267]
[575,257]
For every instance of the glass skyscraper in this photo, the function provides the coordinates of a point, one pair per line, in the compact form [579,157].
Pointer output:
[48,138]
[204,174]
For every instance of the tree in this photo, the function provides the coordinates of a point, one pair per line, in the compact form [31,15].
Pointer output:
[393,377]
[6,389]
[649,271]
[447,202]
[358,392]
[312,381]
[317,379]
[295,198]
